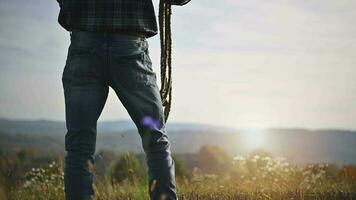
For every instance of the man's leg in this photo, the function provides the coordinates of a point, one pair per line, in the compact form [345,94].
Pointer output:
[134,81]
[85,94]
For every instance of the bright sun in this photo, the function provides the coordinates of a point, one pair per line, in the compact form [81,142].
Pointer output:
[254,138]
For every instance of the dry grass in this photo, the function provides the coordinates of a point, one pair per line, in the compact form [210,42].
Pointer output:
[248,179]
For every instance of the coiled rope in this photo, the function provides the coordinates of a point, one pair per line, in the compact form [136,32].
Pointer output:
[164,18]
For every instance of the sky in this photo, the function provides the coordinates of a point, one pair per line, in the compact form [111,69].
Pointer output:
[244,64]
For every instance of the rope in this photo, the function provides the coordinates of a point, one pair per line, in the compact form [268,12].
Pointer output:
[164,18]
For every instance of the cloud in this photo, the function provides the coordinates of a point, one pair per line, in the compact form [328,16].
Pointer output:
[267,63]
[282,26]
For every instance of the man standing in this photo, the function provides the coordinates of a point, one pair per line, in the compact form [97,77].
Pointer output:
[109,48]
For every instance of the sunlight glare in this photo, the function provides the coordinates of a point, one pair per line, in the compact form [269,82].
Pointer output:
[254,138]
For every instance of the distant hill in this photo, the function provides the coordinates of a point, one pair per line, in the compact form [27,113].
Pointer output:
[298,145]
[46,127]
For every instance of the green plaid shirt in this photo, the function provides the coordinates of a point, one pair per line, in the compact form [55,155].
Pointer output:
[136,16]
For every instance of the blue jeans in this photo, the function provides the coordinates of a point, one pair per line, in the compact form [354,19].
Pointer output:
[94,62]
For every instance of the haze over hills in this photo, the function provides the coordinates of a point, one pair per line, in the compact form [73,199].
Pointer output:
[50,127]
[297,145]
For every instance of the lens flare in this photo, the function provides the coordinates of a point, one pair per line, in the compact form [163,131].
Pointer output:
[151,123]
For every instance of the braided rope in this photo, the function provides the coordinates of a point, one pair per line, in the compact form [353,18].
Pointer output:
[165,12]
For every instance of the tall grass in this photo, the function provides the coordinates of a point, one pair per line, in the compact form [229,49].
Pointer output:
[252,178]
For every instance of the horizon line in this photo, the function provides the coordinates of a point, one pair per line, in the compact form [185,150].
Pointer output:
[197,123]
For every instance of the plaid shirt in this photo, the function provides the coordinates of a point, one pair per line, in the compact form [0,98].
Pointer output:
[137,16]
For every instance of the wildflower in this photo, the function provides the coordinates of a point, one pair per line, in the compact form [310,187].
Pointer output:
[238,158]
[266,158]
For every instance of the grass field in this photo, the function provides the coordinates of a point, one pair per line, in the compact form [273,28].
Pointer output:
[253,178]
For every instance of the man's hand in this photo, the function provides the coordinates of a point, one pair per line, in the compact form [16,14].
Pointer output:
[177,2]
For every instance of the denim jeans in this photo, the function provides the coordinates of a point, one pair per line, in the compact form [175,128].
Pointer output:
[95,62]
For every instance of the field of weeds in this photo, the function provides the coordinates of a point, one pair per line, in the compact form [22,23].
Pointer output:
[253,178]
